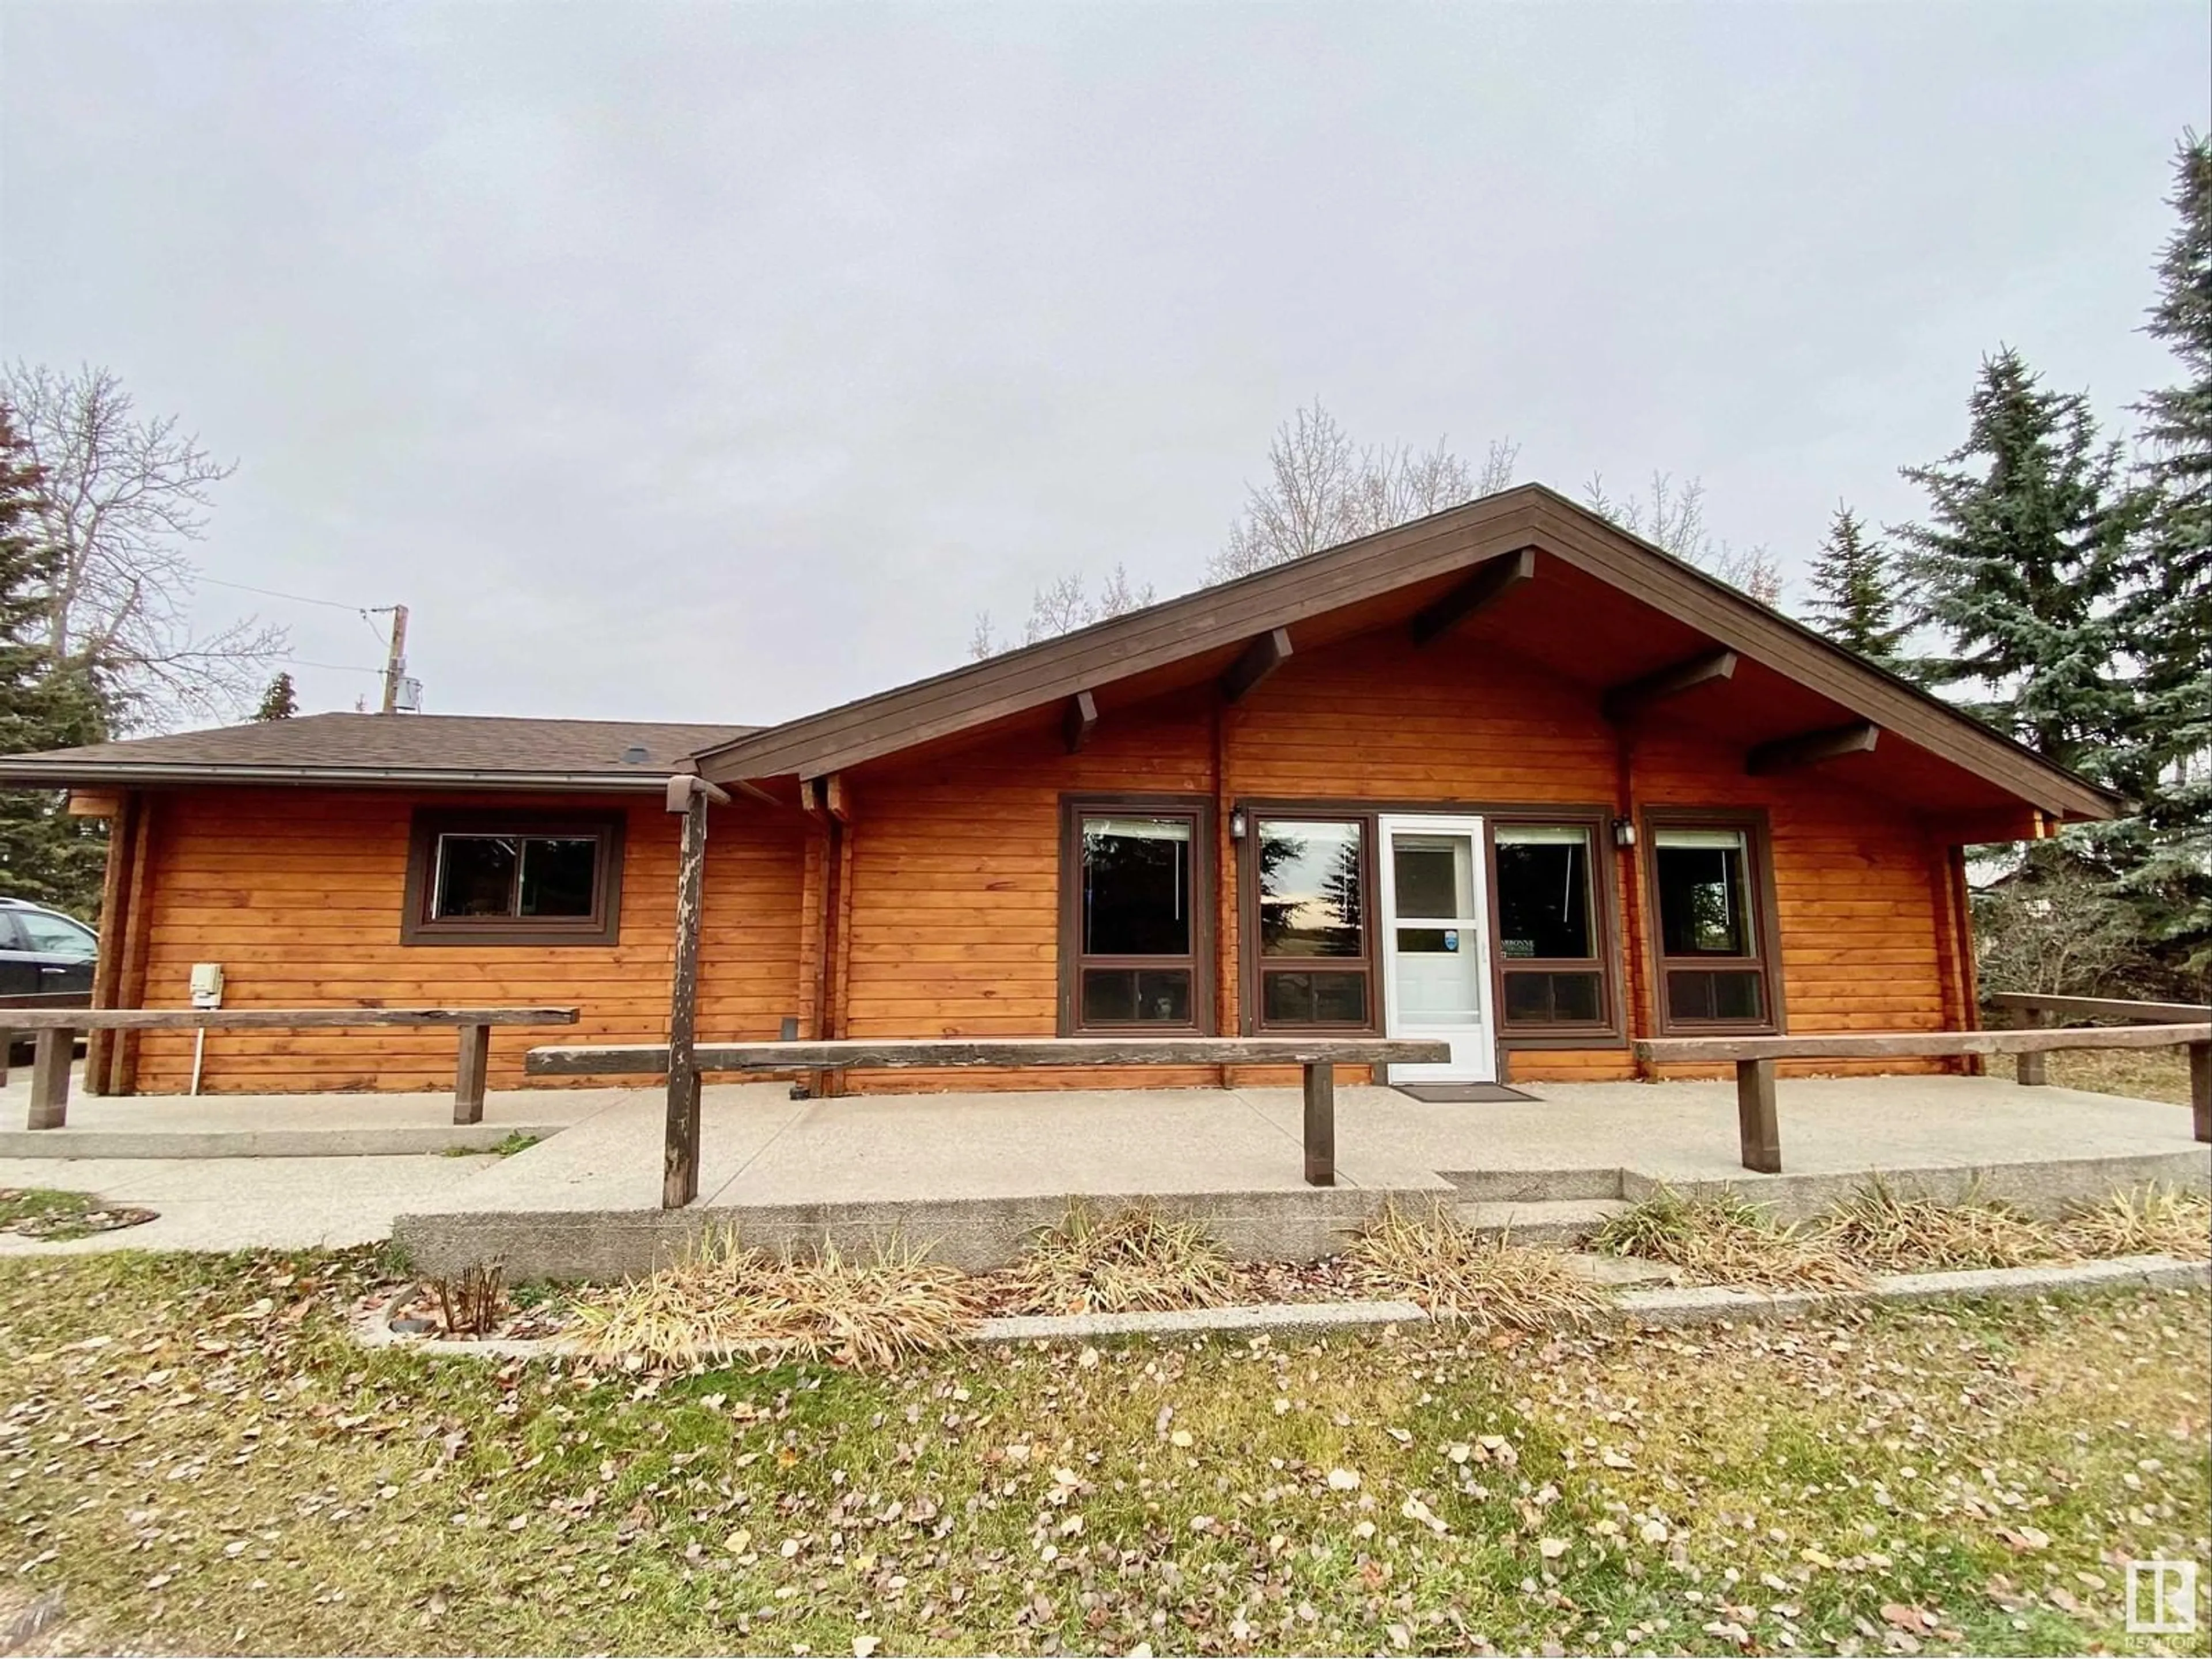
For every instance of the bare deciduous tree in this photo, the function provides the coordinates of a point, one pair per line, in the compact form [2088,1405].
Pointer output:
[1062,608]
[1673,517]
[1324,490]
[122,498]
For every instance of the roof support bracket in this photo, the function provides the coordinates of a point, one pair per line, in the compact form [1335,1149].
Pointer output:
[1269,652]
[1811,748]
[1490,581]
[1623,703]
[1079,722]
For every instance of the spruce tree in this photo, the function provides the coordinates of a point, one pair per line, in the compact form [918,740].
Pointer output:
[45,853]
[2019,565]
[1854,600]
[279,702]
[2170,611]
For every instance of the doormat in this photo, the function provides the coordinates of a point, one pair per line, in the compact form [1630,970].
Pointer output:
[1452,1093]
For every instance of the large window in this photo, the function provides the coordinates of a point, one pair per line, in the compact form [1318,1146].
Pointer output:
[1315,963]
[1715,963]
[512,878]
[1134,875]
[1549,942]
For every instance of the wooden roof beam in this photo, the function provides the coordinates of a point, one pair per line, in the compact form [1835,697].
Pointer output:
[1267,652]
[1081,721]
[1630,698]
[1490,581]
[1811,748]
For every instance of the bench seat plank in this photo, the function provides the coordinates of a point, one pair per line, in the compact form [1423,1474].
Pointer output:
[1898,1045]
[595,1060]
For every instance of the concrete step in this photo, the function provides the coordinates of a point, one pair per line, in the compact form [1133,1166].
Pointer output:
[1544,1221]
[1534,1186]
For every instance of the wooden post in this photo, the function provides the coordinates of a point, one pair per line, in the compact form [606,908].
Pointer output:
[679,1176]
[7,1052]
[108,971]
[2029,1069]
[49,1079]
[1755,1116]
[2200,1087]
[1320,1124]
[468,1074]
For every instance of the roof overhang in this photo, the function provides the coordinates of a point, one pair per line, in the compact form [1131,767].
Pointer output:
[1213,630]
[63,775]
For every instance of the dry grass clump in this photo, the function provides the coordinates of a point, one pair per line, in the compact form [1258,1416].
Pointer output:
[1892,1232]
[725,1301]
[2155,1220]
[1726,1241]
[1434,1258]
[1131,1260]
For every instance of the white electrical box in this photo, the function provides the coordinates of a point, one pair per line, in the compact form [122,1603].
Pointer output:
[207,985]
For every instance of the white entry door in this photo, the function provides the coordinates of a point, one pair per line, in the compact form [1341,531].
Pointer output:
[1435,968]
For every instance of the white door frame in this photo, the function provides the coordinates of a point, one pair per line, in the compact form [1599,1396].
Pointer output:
[1475,1046]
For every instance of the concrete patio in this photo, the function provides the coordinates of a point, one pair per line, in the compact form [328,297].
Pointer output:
[972,1173]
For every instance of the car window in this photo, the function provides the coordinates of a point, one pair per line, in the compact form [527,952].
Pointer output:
[56,934]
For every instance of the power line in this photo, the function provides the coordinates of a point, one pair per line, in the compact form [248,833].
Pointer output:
[336,667]
[271,593]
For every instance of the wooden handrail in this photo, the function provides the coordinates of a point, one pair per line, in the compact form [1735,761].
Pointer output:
[57,1029]
[1754,1058]
[2148,1013]
[1318,1056]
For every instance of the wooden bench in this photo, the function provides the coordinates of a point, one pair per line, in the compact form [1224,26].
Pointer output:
[1754,1058]
[57,1029]
[1318,1056]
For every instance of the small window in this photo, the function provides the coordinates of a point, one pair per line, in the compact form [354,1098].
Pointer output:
[489,878]
[1136,887]
[1315,960]
[1715,967]
[1548,933]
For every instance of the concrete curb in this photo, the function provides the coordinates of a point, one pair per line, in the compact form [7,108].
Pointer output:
[1669,1308]
[1267,1318]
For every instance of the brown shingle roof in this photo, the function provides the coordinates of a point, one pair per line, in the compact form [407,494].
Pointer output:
[388,748]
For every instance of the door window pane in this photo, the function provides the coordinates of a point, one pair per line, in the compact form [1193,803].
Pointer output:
[1703,907]
[1312,902]
[476,875]
[556,875]
[1136,887]
[1314,999]
[1434,875]
[1544,892]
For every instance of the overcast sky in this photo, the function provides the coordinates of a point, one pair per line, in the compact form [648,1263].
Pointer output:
[719,362]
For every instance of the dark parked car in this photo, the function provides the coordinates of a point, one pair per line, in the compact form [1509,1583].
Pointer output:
[43,951]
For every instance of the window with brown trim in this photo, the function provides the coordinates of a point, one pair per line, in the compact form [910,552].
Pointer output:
[1549,931]
[1136,942]
[492,877]
[1311,912]
[1712,902]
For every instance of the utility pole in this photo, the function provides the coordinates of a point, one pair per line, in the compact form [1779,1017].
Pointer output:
[395,660]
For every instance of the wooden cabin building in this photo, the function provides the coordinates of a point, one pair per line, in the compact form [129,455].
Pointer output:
[1505,776]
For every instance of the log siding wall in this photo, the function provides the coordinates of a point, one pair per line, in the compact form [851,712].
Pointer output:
[299,895]
[934,911]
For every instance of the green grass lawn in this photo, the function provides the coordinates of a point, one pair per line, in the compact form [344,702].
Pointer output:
[191,1450]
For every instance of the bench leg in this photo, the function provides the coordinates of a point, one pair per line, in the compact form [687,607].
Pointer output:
[2200,1087]
[7,1048]
[2031,1071]
[50,1079]
[1320,1126]
[1755,1111]
[468,1074]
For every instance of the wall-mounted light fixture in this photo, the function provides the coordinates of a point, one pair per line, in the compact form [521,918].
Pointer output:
[1623,832]
[1237,825]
